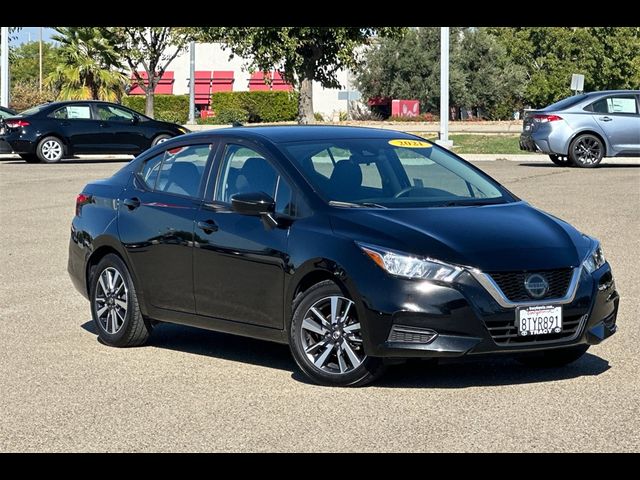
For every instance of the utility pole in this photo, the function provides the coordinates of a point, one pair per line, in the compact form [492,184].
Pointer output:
[4,68]
[40,61]
[444,88]
[192,82]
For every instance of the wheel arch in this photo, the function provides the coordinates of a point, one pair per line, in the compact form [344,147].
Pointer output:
[589,132]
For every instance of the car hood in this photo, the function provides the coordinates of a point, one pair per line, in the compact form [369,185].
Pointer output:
[505,237]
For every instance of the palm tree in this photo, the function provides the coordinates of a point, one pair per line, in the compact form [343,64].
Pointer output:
[89,67]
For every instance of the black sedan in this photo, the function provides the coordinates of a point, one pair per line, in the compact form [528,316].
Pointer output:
[352,245]
[52,131]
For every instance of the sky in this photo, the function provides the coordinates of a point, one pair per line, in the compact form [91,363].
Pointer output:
[23,35]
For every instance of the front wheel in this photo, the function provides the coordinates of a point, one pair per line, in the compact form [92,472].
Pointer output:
[554,358]
[560,160]
[160,139]
[114,305]
[326,340]
[586,151]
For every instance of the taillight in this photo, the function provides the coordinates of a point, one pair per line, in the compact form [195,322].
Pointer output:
[16,123]
[81,200]
[541,118]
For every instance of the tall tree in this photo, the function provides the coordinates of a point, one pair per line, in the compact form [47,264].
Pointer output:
[608,57]
[88,66]
[305,54]
[25,61]
[153,49]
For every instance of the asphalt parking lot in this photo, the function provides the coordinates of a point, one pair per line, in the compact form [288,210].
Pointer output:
[190,390]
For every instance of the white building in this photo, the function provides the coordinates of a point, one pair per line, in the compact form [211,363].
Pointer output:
[210,57]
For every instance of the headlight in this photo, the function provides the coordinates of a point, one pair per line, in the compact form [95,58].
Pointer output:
[404,265]
[594,260]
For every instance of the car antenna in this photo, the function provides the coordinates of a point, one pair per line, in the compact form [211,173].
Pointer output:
[237,124]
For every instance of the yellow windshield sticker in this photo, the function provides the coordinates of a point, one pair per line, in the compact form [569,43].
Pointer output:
[409,143]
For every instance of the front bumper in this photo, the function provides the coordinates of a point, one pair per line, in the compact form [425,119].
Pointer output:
[403,325]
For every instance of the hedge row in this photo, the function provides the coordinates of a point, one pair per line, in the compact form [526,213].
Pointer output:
[262,106]
[170,108]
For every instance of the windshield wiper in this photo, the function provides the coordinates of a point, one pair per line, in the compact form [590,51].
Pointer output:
[473,203]
[336,203]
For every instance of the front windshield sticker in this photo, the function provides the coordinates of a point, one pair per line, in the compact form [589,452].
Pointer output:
[409,143]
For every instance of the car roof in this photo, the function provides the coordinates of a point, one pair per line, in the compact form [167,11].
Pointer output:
[609,92]
[299,133]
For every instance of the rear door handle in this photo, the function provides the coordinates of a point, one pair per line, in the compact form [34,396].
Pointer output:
[105,125]
[208,226]
[131,203]
[606,119]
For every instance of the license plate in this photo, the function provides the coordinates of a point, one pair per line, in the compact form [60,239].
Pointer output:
[539,320]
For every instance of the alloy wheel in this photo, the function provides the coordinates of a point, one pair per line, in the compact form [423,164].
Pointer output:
[587,151]
[331,336]
[51,150]
[111,300]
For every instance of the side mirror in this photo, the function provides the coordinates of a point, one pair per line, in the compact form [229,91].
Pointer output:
[135,119]
[255,204]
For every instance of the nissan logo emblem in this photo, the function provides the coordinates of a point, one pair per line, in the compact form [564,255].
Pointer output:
[536,285]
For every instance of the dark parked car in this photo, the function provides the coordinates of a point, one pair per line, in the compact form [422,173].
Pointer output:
[352,245]
[52,131]
[6,112]
[581,130]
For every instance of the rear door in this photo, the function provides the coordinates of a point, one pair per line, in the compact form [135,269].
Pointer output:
[156,224]
[618,117]
[76,123]
[121,130]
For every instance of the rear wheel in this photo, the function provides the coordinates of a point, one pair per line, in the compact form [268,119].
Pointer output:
[554,358]
[560,160]
[586,151]
[50,150]
[326,339]
[30,158]
[114,305]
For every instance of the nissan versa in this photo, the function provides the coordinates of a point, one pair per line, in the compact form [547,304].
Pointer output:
[352,245]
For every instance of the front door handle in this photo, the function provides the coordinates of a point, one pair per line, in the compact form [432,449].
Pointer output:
[208,226]
[131,203]
[606,119]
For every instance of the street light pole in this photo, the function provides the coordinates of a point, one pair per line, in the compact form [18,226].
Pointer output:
[192,82]
[444,88]
[4,68]
[40,61]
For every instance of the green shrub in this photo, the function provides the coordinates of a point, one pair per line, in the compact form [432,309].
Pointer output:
[169,108]
[318,117]
[262,106]
[226,117]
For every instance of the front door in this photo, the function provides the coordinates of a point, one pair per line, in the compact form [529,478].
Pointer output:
[121,130]
[239,262]
[618,117]
[156,215]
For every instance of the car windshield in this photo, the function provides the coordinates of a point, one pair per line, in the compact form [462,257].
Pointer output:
[391,173]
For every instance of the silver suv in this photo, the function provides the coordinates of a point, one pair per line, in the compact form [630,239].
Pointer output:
[581,130]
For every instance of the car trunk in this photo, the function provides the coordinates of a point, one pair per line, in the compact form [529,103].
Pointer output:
[528,123]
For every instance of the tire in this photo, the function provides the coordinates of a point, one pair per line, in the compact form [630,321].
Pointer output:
[30,158]
[560,160]
[116,327]
[338,358]
[50,150]
[554,358]
[586,151]
[159,139]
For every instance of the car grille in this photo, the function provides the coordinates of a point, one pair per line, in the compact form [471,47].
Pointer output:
[512,283]
[506,332]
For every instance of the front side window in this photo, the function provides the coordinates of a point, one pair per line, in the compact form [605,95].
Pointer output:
[72,112]
[617,104]
[392,173]
[178,171]
[111,113]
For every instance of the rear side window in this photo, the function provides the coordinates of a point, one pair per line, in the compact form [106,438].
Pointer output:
[178,171]
[617,104]
[72,112]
